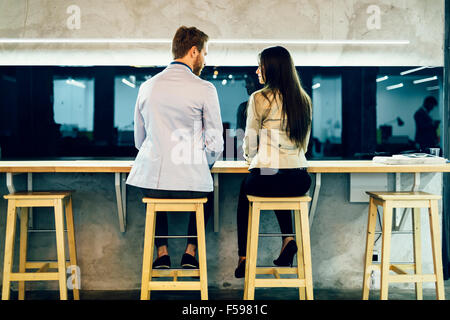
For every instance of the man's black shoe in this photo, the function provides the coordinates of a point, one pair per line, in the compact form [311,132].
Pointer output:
[189,262]
[162,262]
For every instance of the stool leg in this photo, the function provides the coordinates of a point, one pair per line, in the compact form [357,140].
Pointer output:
[300,260]
[417,250]
[148,251]
[386,250]
[370,237]
[306,249]
[72,249]
[60,247]
[252,256]
[23,248]
[248,250]
[9,248]
[201,247]
[436,248]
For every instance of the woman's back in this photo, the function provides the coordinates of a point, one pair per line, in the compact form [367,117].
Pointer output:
[266,142]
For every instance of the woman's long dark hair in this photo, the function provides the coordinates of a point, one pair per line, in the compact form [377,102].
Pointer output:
[280,77]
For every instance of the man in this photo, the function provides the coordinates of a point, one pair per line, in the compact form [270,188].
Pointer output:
[426,136]
[178,132]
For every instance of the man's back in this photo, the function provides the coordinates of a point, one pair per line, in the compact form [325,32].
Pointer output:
[177,120]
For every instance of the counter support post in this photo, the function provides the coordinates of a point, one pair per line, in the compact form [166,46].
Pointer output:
[216,202]
[121,199]
[313,208]
[12,189]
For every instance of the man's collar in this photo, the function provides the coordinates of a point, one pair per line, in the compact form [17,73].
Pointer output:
[184,64]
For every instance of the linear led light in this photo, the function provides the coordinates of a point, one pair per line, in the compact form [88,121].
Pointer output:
[76,83]
[414,70]
[382,78]
[316,86]
[433,88]
[218,41]
[425,80]
[396,86]
[128,83]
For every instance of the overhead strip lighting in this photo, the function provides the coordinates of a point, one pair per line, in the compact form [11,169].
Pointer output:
[382,78]
[316,86]
[218,41]
[425,80]
[414,70]
[128,83]
[396,86]
[433,88]
[76,83]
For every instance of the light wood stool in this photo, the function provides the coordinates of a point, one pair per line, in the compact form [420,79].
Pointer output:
[173,205]
[303,269]
[25,200]
[414,200]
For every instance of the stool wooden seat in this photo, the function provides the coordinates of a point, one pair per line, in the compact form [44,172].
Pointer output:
[416,201]
[303,269]
[173,205]
[60,200]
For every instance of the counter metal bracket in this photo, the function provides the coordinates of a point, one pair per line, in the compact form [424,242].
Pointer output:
[12,189]
[216,202]
[121,197]
[313,207]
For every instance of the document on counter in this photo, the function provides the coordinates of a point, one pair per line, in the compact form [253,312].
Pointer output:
[411,158]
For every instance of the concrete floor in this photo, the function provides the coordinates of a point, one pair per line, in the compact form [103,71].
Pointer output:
[215,294]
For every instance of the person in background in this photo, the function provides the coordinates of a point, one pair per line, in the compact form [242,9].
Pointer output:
[178,132]
[276,138]
[426,135]
[251,84]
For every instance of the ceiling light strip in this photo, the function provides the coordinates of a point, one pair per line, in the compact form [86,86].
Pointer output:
[396,86]
[218,41]
[425,80]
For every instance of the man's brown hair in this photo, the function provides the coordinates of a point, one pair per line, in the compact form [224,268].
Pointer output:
[185,38]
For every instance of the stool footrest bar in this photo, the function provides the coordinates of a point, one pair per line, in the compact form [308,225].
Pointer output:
[176,273]
[173,237]
[41,276]
[277,234]
[172,285]
[413,278]
[280,270]
[273,283]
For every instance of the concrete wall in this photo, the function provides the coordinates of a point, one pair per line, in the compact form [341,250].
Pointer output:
[111,260]
[420,22]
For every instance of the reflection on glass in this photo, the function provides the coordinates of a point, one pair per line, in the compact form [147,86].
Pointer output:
[399,99]
[327,115]
[73,107]
[125,93]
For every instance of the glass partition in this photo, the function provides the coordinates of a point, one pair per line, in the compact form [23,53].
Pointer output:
[358,112]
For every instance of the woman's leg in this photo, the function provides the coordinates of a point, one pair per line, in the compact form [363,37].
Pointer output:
[284,218]
[242,220]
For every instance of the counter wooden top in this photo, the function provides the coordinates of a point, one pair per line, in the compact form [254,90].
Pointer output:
[108,166]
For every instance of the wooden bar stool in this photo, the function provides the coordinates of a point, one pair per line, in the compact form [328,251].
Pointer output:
[414,200]
[173,205]
[303,269]
[25,200]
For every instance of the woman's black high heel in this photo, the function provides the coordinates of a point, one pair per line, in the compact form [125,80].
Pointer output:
[287,255]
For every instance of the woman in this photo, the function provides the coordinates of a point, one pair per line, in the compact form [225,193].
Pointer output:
[276,139]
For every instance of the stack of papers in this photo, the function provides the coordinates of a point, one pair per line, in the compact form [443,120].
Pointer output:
[412,158]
